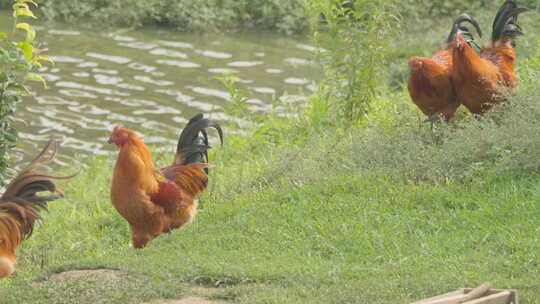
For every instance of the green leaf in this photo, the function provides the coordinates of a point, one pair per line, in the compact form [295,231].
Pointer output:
[28,1]
[21,90]
[23,12]
[37,78]
[3,35]
[44,58]
[24,91]
[20,5]
[27,49]
[30,32]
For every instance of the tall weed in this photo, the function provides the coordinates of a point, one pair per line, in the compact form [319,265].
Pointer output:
[352,53]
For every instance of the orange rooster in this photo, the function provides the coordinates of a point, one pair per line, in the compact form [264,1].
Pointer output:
[430,85]
[20,206]
[478,79]
[156,201]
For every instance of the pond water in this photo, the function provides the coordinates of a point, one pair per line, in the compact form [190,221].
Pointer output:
[151,81]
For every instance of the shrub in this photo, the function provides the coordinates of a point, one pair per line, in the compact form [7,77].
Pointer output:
[17,60]
[352,40]
[282,15]
[435,8]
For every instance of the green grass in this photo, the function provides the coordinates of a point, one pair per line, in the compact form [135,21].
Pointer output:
[349,238]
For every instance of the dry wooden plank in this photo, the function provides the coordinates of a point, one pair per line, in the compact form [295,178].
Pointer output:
[482,294]
[456,299]
[446,295]
[498,298]
[459,296]
[514,299]
[490,292]
[478,292]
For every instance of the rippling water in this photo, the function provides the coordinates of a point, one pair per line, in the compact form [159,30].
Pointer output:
[149,80]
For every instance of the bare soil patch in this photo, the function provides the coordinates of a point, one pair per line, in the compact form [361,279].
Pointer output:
[192,300]
[195,295]
[78,274]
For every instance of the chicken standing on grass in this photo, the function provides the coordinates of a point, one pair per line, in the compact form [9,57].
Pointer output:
[479,78]
[156,201]
[20,206]
[430,85]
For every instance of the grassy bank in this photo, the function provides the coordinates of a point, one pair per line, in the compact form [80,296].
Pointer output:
[388,213]
[286,16]
[342,236]
[329,206]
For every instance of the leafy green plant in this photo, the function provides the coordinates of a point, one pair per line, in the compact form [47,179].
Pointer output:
[263,127]
[18,58]
[237,105]
[352,52]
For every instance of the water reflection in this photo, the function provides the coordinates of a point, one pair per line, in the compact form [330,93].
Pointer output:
[297,61]
[245,63]
[292,80]
[151,85]
[64,32]
[168,53]
[180,64]
[138,45]
[177,44]
[152,81]
[115,59]
[214,54]
[211,92]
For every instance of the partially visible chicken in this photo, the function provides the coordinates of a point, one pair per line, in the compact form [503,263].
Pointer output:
[479,79]
[430,85]
[20,206]
[156,201]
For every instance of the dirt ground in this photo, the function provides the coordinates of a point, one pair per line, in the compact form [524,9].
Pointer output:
[195,294]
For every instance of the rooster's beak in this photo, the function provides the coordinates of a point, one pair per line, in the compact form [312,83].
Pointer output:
[110,140]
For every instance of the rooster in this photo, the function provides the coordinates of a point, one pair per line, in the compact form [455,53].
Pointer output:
[430,85]
[478,79]
[156,201]
[20,206]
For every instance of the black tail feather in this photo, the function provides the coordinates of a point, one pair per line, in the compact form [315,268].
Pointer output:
[506,6]
[193,143]
[30,181]
[505,22]
[21,197]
